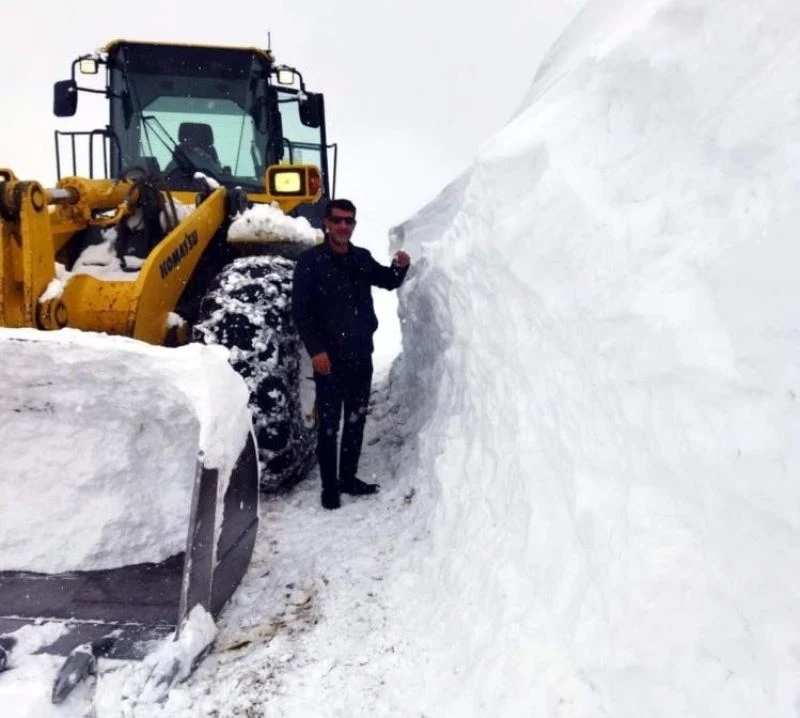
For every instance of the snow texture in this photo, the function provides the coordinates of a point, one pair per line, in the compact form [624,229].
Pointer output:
[173,661]
[100,441]
[264,221]
[588,449]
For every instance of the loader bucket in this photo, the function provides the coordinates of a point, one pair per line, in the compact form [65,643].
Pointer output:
[146,602]
[43,384]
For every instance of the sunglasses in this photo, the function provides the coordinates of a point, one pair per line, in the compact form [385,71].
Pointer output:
[350,221]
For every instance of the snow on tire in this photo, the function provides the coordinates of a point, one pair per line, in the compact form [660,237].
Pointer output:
[248,310]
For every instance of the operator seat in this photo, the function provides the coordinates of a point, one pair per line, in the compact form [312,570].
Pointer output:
[196,142]
[198,134]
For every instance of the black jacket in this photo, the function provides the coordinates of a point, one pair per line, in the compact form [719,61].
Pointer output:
[332,299]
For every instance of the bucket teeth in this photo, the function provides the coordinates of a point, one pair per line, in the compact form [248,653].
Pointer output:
[80,663]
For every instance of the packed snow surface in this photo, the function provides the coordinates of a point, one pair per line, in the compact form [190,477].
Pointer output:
[100,443]
[588,449]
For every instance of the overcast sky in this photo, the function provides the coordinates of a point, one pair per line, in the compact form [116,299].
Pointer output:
[411,88]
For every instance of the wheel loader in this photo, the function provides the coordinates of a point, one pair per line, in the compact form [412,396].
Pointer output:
[208,178]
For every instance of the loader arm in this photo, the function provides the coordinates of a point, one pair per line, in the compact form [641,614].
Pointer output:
[141,309]
[35,223]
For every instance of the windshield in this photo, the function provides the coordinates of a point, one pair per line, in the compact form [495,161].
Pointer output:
[192,109]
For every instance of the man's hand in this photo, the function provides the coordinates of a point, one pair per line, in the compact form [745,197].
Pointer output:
[321,363]
[401,259]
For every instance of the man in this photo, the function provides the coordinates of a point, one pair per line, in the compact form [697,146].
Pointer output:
[334,314]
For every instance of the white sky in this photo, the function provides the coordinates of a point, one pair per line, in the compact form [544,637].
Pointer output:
[411,88]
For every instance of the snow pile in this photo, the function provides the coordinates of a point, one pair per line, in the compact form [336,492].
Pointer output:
[100,440]
[265,221]
[100,259]
[601,344]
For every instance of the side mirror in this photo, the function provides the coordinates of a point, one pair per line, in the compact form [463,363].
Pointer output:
[65,98]
[311,110]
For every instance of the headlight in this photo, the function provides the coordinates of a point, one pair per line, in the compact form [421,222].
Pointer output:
[287,182]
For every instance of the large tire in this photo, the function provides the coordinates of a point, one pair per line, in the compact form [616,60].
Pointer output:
[248,310]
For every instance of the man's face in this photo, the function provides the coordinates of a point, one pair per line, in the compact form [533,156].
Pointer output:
[340,226]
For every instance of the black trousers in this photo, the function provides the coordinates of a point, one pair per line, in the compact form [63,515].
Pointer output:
[347,389]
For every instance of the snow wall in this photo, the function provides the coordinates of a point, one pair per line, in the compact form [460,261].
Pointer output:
[601,357]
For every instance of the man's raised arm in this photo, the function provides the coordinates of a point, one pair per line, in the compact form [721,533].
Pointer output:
[390,277]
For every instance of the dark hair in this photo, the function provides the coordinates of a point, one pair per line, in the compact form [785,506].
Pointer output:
[344,204]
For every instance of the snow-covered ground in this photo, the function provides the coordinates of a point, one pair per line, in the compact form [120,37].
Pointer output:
[308,633]
[589,447]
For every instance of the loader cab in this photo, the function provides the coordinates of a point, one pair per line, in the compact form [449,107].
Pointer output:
[175,110]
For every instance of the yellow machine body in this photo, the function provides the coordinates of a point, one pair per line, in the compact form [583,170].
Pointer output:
[36,223]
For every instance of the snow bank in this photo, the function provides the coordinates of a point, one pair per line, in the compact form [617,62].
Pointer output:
[99,441]
[601,344]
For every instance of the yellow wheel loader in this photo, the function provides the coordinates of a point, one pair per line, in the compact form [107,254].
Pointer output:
[174,196]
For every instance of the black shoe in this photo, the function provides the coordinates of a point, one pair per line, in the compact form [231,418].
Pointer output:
[357,487]
[330,499]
